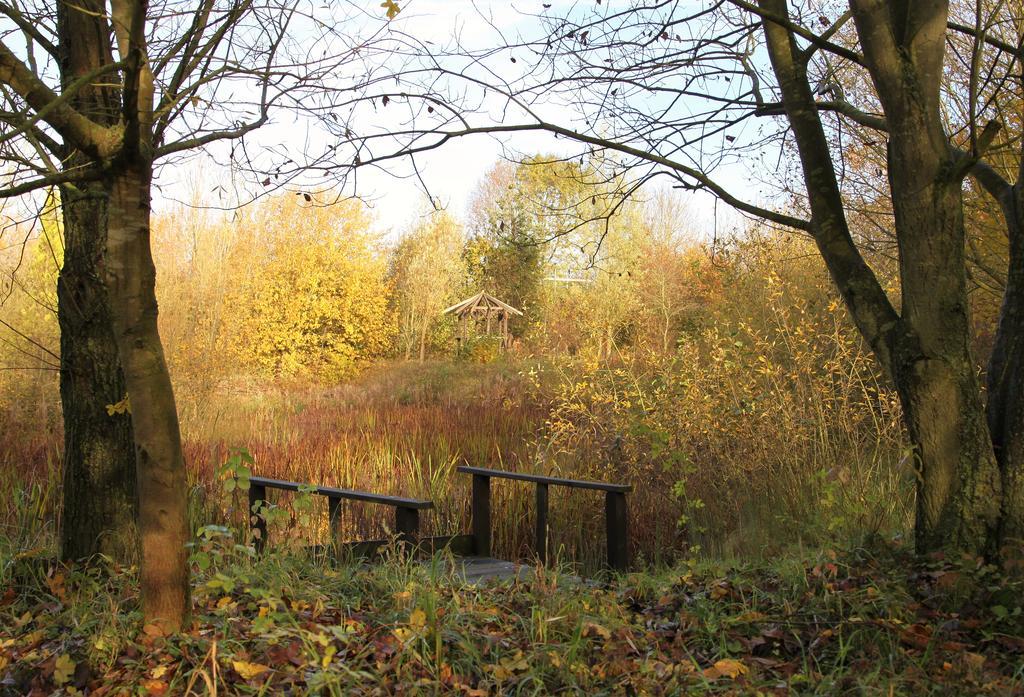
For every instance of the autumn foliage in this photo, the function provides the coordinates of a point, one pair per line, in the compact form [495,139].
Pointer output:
[723,379]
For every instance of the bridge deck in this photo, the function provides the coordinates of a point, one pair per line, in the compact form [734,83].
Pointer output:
[480,569]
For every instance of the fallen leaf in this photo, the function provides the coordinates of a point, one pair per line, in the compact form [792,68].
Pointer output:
[591,629]
[749,618]
[56,586]
[973,661]
[64,669]
[247,670]
[154,687]
[728,667]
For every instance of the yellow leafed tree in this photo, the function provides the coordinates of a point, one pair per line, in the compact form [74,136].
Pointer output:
[427,271]
[314,300]
[29,343]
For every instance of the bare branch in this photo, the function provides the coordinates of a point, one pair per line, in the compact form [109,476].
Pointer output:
[30,29]
[80,131]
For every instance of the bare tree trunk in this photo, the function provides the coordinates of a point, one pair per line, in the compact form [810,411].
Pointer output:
[924,348]
[99,460]
[959,492]
[959,489]
[1006,376]
[666,330]
[163,501]
[423,339]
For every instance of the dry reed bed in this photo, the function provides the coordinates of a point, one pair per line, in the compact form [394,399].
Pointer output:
[403,432]
[402,429]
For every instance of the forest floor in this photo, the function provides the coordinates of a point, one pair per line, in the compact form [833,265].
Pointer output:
[871,623]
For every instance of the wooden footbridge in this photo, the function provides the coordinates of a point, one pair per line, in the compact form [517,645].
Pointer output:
[473,548]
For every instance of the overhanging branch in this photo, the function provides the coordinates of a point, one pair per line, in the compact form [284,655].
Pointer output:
[703,181]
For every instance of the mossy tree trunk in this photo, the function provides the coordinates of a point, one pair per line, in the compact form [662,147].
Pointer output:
[99,459]
[1006,370]
[99,453]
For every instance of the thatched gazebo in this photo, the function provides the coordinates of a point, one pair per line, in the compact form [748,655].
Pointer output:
[483,310]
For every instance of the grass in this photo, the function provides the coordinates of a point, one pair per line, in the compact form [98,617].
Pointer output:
[798,622]
[879,623]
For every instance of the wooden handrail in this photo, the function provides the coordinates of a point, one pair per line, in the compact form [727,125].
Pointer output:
[616,518]
[551,481]
[406,510]
[350,494]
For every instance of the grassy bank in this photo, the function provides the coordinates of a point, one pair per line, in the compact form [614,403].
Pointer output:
[827,624]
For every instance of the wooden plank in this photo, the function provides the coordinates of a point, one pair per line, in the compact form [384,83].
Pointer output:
[541,531]
[460,545]
[479,569]
[462,304]
[257,522]
[617,528]
[366,548]
[541,479]
[481,513]
[350,494]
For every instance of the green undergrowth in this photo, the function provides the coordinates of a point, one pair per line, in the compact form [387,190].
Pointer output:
[880,623]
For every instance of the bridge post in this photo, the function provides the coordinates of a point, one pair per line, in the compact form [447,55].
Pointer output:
[407,525]
[542,523]
[616,522]
[481,512]
[257,522]
[334,516]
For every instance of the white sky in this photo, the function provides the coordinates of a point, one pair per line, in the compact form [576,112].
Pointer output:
[453,171]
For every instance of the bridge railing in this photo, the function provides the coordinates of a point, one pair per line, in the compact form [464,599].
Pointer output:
[616,519]
[407,511]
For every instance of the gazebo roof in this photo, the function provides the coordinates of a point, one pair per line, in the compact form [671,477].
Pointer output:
[483,303]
